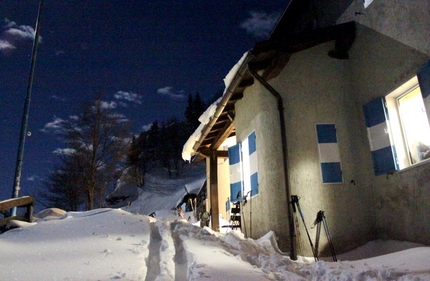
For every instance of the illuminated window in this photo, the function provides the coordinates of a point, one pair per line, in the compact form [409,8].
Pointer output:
[415,126]
[398,125]
[367,3]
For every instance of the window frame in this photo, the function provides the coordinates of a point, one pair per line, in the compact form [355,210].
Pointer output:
[397,130]
[386,137]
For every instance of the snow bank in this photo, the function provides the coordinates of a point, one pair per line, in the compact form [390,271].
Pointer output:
[111,244]
[98,245]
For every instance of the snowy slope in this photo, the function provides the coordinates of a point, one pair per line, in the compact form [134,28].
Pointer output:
[114,244]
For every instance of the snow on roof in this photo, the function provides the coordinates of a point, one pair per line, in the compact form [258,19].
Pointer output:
[188,149]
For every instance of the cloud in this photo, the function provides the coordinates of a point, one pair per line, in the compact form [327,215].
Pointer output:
[33,178]
[108,104]
[119,118]
[13,34]
[260,24]
[128,96]
[22,32]
[64,151]
[58,98]
[54,126]
[146,128]
[168,91]
[5,45]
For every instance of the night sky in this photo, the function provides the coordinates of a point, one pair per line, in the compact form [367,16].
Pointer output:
[145,57]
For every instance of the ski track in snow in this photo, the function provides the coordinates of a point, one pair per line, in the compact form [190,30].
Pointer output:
[181,265]
[153,259]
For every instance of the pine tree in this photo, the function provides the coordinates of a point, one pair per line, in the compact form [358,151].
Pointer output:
[195,108]
[189,109]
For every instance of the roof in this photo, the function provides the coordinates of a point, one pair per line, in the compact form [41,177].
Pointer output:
[269,56]
[305,15]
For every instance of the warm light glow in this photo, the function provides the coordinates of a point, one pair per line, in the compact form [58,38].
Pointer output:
[367,3]
[415,125]
[227,143]
[410,130]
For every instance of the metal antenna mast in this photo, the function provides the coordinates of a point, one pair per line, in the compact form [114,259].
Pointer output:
[24,122]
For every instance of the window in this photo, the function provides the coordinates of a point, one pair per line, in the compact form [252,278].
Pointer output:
[415,126]
[243,169]
[398,125]
[367,3]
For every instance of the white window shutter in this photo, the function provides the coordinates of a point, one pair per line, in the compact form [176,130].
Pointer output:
[328,147]
[424,81]
[383,151]
[235,166]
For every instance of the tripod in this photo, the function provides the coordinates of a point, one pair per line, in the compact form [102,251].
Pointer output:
[296,206]
[321,218]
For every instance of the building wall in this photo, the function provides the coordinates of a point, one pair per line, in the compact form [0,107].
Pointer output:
[268,210]
[401,200]
[223,185]
[405,21]
[318,89]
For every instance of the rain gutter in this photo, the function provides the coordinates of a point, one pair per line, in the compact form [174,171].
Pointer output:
[293,253]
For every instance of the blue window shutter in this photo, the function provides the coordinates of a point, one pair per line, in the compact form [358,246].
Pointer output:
[383,151]
[235,166]
[424,80]
[329,154]
[253,163]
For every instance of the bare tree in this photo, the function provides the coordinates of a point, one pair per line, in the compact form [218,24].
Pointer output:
[64,188]
[96,142]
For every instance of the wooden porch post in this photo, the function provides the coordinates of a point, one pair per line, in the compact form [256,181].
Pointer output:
[213,170]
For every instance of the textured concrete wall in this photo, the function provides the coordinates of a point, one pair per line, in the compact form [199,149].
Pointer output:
[318,89]
[405,21]
[268,210]
[392,44]
[402,200]
[379,65]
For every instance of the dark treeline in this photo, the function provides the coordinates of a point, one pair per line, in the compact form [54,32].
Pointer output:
[161,145]
[99,151]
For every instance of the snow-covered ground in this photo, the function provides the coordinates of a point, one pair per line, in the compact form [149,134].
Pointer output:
[126,244]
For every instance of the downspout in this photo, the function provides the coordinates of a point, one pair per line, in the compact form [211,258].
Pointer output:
[293,253]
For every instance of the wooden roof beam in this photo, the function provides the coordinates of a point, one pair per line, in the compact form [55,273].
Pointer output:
[223,135]
[207,152]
